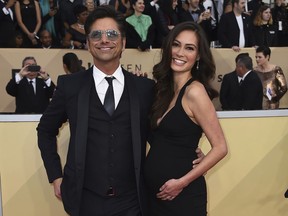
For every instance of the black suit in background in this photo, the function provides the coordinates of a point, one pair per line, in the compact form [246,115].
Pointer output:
[229,32]
[264,35]
[92,131]
[247,96]
[7,29]
[26,102]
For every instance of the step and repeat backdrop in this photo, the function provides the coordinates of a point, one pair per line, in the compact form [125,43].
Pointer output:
[132,60]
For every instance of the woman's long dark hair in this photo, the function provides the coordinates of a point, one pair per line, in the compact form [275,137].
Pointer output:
[163,74]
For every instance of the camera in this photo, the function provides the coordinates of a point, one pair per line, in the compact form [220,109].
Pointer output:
[33,68]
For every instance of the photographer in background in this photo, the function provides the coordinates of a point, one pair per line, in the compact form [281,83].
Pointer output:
[32,88]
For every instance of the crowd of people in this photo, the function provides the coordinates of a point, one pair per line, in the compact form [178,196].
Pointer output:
[232,23]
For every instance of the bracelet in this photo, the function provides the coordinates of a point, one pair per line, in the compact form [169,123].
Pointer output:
[72,44]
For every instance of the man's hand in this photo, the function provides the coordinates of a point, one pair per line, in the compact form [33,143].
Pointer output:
[236,48]
[200,156]
[24,71]
[43,74]
[56,184]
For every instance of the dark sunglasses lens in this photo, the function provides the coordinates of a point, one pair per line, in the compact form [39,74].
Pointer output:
[112,34]
[96,35]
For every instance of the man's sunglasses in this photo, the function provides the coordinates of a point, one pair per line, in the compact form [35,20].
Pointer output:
[111,34]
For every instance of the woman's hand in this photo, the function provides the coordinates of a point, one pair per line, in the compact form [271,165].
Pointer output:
[171,189]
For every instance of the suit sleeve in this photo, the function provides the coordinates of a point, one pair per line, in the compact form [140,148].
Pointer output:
[222,32]
[254,94]
[47,130]
[12,88]
[223,93]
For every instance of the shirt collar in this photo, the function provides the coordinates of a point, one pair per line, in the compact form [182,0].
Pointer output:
[99,76]
[239,78]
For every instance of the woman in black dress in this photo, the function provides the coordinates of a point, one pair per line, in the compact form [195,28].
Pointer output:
[28,15]
[182,111]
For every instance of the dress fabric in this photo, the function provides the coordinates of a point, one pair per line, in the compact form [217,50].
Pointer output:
[273,82]
[172,151]
[29,18]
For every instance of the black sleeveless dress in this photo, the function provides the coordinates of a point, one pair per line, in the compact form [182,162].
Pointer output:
[172,151]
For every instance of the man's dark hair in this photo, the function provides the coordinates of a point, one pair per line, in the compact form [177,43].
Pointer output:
[105,11]
[240,55]
[245,61]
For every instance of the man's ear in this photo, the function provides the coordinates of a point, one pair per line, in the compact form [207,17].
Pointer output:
[123,44]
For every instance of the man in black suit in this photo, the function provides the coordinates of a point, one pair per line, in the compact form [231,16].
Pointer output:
[234,27]
[103,172]
[242,88]
[31,89]
[7,24]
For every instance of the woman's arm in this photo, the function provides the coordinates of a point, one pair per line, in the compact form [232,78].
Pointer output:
[38,17]
[281,83]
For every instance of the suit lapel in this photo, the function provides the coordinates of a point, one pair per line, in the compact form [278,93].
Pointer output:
[135,121]
[82,119]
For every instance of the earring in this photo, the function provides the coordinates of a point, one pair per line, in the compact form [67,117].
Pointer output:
[197,65]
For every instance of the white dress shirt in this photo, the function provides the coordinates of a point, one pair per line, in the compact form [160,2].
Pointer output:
[101,84]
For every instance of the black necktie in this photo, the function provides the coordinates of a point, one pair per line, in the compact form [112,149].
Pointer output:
[241,81]
[31,88]
[109,102]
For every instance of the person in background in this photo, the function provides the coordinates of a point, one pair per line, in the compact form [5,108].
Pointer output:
[31,89]
[171,12]
[46,40]
[18,39]
[51,21]
[196,12]
[272,77]
[241,89]
[140,31]
[181,112]
[210,5]
[75,37]
[253,7]
[234,27]
[280,19]
[7,24]
[28,14]
[72,64]
[90,5]
[263,32]
[66,8]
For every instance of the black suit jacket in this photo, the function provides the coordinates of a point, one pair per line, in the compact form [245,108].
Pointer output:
[248,96]
[25,101]
[71,102]
[228,30]
[7,29]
